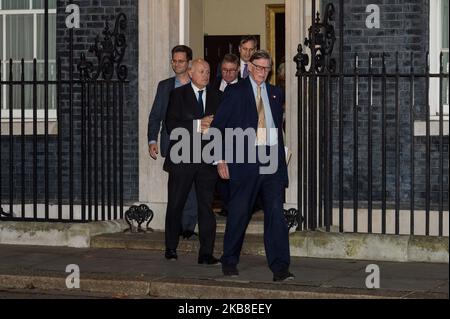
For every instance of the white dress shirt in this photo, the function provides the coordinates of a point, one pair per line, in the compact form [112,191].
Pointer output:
[243,68]
[272,131]
[223,84]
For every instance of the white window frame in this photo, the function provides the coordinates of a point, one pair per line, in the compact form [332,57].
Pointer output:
[29,114]
[435,50]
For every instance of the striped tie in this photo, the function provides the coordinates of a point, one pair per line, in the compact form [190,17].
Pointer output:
[245,73]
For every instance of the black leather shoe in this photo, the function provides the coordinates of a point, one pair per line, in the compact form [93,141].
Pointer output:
[208,260]
[283,276]
[171,254]
[230,271]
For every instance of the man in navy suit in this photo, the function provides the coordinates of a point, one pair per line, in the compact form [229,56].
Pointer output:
[181,56]
[229,69]
[255,105]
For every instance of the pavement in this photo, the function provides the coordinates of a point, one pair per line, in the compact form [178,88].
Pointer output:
[40,272]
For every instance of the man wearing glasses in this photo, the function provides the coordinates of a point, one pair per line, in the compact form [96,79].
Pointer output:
[229,70]
[181,57]
[256,105]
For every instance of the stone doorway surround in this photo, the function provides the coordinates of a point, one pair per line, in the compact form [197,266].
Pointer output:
[159,31]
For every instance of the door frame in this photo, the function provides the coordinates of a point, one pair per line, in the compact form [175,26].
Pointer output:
[271,11]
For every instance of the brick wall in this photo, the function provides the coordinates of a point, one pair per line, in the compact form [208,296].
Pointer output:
[404,29]
[93,16]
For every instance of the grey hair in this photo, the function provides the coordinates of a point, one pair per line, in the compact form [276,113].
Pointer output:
[261,55]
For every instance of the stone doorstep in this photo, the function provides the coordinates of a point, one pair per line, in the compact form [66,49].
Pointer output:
[255,227]
[56,234]
[253,244]
[199,289]
[306,244]
[318,244]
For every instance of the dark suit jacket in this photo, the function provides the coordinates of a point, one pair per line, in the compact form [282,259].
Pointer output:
[158,115]
[183,110]
[218,82]
[238,110]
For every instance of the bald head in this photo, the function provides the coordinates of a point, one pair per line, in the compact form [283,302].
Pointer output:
[199,73]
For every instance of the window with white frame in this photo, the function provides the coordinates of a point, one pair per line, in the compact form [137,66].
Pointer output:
[439,15]
[22,28]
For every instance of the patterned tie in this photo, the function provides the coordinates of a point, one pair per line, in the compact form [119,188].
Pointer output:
[245,74]
[200,103]
[261,135]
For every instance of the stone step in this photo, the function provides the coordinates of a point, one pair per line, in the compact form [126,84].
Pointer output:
[304,244]
[181,288]
[255,227]
[253,244]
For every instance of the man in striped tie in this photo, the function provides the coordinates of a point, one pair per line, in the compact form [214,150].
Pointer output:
[254,105]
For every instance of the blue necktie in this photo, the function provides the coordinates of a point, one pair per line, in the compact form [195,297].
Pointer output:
[200,102]
[245,75]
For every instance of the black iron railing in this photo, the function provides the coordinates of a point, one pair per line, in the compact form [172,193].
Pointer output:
[88,148]
[326,184]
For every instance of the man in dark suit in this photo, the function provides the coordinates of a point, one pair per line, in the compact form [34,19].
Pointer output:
[181,56]
[229,70]
[247,47]
[255,105]
[191,111]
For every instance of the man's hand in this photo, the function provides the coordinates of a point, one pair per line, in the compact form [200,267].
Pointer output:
[153,151]
[222,168]
[206,123]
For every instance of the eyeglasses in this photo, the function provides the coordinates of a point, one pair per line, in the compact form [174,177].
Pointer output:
[179,61]
[261,68]
[229,70]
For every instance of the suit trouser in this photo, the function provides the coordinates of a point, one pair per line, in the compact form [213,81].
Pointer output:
[190,214]
[204,178]
[190,210]
[243,194]
[223,188]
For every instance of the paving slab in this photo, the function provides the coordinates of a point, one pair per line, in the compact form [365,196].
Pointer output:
[146,273]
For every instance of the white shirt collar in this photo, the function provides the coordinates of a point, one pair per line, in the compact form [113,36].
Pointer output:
[255,85]
[223,84]
[196,89]
[234,82]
